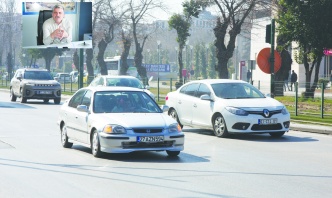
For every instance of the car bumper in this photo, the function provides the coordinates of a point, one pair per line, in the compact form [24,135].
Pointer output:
[250,124]
[41,93]
[128,143]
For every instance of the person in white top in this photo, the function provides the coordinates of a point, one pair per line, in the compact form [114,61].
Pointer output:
[57,29]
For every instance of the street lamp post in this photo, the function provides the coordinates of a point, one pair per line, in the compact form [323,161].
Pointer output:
[158,42]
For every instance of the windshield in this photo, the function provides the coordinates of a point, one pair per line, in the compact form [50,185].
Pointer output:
[38,75]
[124,102]
[236,91]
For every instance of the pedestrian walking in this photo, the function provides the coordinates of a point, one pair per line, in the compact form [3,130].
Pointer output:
[293,79]
[286,82]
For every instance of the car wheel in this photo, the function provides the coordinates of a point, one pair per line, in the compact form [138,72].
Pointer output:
[219,127]
[12,95]
[64,138]
[57,100]
[174,115]
[23,99]
[173,153]
[277,134]
[46,100]
[95,145]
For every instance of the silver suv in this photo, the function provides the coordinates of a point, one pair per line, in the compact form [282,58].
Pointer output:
[34,84]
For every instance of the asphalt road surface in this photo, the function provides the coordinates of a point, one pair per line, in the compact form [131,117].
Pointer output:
[34,164]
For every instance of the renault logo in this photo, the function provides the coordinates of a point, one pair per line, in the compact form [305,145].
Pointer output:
[266,113]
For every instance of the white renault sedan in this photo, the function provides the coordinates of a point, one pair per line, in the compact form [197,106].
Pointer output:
[227,106]
[118,120]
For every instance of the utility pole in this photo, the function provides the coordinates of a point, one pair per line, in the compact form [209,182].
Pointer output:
[272,60]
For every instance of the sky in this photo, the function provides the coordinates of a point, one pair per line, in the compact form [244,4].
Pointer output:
[175,6]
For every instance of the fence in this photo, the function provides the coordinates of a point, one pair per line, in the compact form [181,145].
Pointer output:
[319,106]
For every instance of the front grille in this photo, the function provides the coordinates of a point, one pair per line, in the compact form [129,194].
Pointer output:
[262,114]
[129,145]
[45,85]
[148,130]
[257,127]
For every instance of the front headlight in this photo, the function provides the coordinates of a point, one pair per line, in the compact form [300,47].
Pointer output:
[174,128]
[284,111]
[237,111]
[114,129]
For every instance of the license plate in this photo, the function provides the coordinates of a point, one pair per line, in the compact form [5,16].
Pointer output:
[150,139]
[267,121]
[45,92]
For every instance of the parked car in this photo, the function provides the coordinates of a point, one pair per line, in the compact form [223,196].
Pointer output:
[227,107]
[34,84]
[118,120]
[63,77]
[127,81]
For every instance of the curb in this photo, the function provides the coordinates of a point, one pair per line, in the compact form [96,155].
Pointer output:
[311,128]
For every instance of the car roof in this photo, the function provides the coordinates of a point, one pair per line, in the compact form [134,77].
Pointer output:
[111,88]
[32,69]
[214,81]
[121,76]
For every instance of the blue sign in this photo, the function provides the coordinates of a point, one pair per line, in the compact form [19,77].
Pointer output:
[154,67]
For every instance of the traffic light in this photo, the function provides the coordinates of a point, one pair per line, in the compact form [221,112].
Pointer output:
[268,34]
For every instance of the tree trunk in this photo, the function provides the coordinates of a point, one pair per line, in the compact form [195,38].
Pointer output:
[180,64]
[100,57]
[125,53]
[89,56]
[138,62]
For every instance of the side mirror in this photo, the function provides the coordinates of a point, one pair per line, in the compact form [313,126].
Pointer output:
[205,97]
[83,108]
[147,87]
[165,108]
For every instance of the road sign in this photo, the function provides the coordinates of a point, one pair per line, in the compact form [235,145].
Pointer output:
[154,67]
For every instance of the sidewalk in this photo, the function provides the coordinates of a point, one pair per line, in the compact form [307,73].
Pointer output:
[311,128]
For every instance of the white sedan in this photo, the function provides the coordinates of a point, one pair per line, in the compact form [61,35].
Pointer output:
[118,120]
[227,107]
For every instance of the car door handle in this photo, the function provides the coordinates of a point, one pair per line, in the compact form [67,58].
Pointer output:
[195,105]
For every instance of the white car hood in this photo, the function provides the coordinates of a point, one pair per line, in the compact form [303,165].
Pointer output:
[254,103]
[136,119]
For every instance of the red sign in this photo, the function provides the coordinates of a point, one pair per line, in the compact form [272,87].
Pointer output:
[328,52]
[263,60]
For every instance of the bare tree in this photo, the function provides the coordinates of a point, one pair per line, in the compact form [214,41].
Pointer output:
[106,20]
[10,21]
[140,10]
[232,16]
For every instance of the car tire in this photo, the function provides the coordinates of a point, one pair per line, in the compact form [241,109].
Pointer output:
[12,95]
[277,134]
[95,145]
[46,100]
[173,153]
[64,138]
[23,99]
[174,115]
[57,100]
[219,126]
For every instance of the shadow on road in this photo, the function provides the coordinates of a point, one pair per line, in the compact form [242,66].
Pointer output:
[254,137]
[147,156]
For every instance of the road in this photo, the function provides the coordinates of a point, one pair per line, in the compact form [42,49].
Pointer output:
[34,164]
